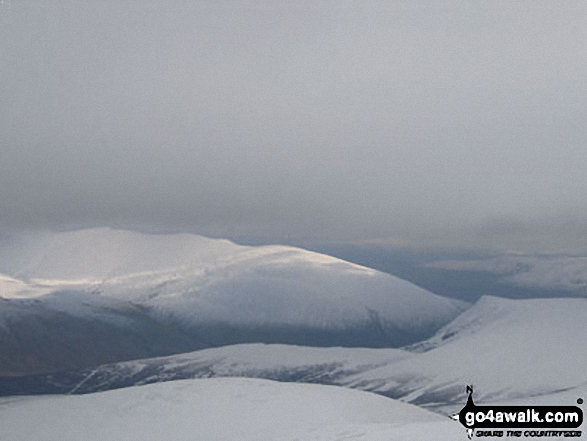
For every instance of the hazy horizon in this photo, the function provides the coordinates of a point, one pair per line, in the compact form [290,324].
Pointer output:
[452,124]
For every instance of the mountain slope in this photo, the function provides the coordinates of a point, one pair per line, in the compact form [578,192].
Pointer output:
[509,349]
[276,362]
[217,409]
[69,330]
[212,292]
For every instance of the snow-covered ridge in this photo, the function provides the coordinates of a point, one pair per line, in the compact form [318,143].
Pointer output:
[201,279]
[217,292]
[509,349]
[220,409]
[104,253]
[11,288]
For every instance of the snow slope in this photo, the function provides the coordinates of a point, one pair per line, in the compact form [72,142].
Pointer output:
[69,330]
[220,409]
[223,409]
[201,279]
[11,288]
[276,362]
[508,349]
[214,291]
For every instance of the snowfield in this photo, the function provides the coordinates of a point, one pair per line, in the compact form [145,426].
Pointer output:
[212,291]
[81,302]
[510,350]
[199,279]
[221,409]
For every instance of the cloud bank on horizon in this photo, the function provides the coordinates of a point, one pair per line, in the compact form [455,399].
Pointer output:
[566,273]
[336,120]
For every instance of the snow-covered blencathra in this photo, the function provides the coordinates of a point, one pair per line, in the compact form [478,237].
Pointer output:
[221,409]
[92,286]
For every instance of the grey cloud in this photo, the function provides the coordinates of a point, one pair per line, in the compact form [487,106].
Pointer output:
[334,119]
[555,272]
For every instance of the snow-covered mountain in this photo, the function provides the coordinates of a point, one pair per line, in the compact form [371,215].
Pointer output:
[509,349]
[89,297]
[212,292]
[67,330]
[221,409]
[285,363]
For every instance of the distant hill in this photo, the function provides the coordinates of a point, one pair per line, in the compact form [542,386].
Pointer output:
[89,297]
[525,350]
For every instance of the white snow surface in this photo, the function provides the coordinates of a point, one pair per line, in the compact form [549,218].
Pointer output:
[259,356]
[224,409]
[220,409]
[273,361]
[197,279]
[508,349]
[11,288]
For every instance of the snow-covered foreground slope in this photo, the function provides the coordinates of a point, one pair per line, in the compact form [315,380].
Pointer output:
[214,291]
[221,409]
[509,349]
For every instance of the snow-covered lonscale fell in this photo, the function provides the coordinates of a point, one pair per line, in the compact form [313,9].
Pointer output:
[220,409]
[206,281]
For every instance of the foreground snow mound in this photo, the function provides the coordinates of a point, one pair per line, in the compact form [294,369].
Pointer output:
[215,291]
[213,409]
[227,409]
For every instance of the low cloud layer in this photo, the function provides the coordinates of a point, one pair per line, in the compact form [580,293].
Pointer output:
[552,272]
[335,120]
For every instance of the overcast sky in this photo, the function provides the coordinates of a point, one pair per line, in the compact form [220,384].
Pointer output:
[402,121]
